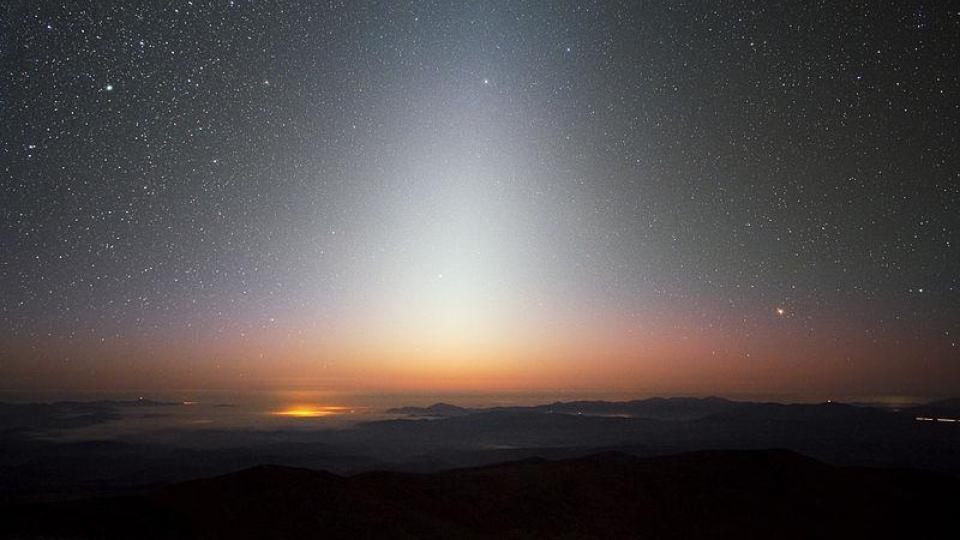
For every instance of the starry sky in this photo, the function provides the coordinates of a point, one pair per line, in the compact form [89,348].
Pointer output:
[672,197]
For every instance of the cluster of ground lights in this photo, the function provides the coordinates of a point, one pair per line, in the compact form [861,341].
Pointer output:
[311,411]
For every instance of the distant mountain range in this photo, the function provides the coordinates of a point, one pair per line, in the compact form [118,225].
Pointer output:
[40,459]
[437,410]
[655,408]
[680,408]
[947,408]
[715,494]
[66,414]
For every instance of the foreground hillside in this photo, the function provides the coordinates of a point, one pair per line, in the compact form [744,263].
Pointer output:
[721,494]
[69,450]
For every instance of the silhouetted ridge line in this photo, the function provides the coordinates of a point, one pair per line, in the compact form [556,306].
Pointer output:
[705,494]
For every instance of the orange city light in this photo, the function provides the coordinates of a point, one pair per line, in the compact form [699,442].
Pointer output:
[309,411]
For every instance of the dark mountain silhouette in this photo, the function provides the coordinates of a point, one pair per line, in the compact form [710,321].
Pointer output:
[713,494]
[946,408]
[655,408]
[437,409]
[37,465]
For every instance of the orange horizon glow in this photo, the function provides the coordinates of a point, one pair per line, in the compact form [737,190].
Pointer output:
[667,355]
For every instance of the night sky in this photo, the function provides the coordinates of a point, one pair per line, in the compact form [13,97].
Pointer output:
[649,196]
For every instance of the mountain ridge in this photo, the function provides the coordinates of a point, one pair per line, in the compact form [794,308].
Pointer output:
[703,494]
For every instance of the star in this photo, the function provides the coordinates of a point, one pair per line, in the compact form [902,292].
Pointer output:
[356,166]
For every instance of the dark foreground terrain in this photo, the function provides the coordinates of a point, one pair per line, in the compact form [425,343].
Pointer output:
[716,494]
[48,452]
